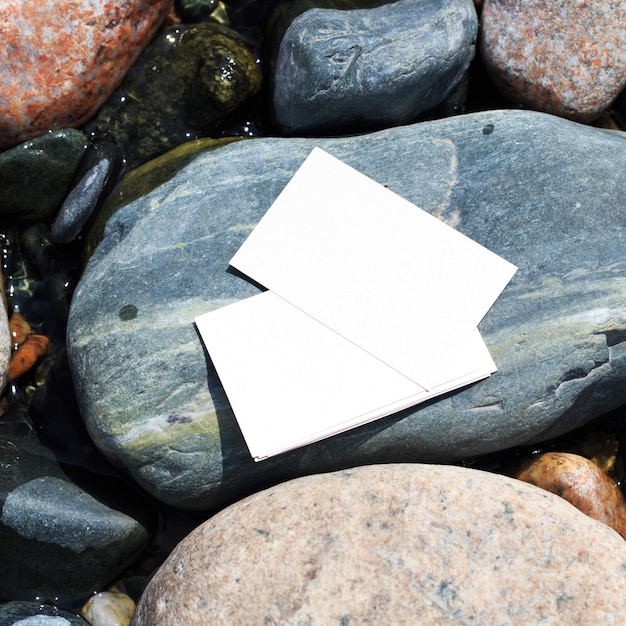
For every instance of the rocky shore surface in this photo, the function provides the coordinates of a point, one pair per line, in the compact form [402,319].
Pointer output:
[140,143]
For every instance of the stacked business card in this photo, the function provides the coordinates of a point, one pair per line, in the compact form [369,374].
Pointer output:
[372,306]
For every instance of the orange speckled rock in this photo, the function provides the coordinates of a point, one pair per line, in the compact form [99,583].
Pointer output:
[60,60]
[566,57]
[20,329]
[582,483]
[27,355]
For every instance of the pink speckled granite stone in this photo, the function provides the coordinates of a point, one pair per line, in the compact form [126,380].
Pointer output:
[566,57]
[394,544]
[60,60]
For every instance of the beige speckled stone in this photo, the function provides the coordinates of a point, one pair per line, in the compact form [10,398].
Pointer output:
[109,608]
[394,544]
[560,56]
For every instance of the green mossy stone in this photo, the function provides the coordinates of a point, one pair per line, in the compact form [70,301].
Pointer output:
[187,80]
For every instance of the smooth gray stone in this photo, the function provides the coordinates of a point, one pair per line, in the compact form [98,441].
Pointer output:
[61,538]
[545,193]
[37,614]
[96,175]
[36,175]
[364,68]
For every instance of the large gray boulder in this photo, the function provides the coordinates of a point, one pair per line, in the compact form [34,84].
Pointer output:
[545,193]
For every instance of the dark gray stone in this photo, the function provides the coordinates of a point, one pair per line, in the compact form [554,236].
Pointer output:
[545,193]
[37,614]
[62,538]
[36,175]
[96,175]
[356,69]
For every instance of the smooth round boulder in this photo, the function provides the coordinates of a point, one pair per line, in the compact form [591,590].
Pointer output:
[393,544]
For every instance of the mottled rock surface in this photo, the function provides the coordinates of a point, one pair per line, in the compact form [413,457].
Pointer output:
[5,340]
[566,58]
[581,482]
[393,544]
[183,84]
[95,176]
[545,193]
[59,61]
[60,537]
[109,608]
[344,68]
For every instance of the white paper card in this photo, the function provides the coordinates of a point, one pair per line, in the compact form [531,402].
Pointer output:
[303,382]
[373,307]
[381,272]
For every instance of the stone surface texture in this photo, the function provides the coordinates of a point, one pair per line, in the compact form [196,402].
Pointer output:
[340,69]
[37,614]
[109,608]
[5,339]
[183,84]
[96,175]
[36,175]
[61,539]
[393,544]
[581,482]
[566,58]
[59,61]
[545,193]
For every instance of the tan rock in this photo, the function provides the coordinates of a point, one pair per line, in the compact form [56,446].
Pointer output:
[581,482]
[109,608]
[59,61]
[393,544]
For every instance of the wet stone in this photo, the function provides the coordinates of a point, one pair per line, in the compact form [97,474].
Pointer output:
[187,81]
[192,11]
[109,608]
[90,44]
[37,614]
[36,176]
[581,482]
[95,176]
[340,67]
[58,540]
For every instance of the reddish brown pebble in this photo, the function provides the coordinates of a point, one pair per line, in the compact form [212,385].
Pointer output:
[562,57]
[60,60]
[582,483]
[20,329]
[27,355]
